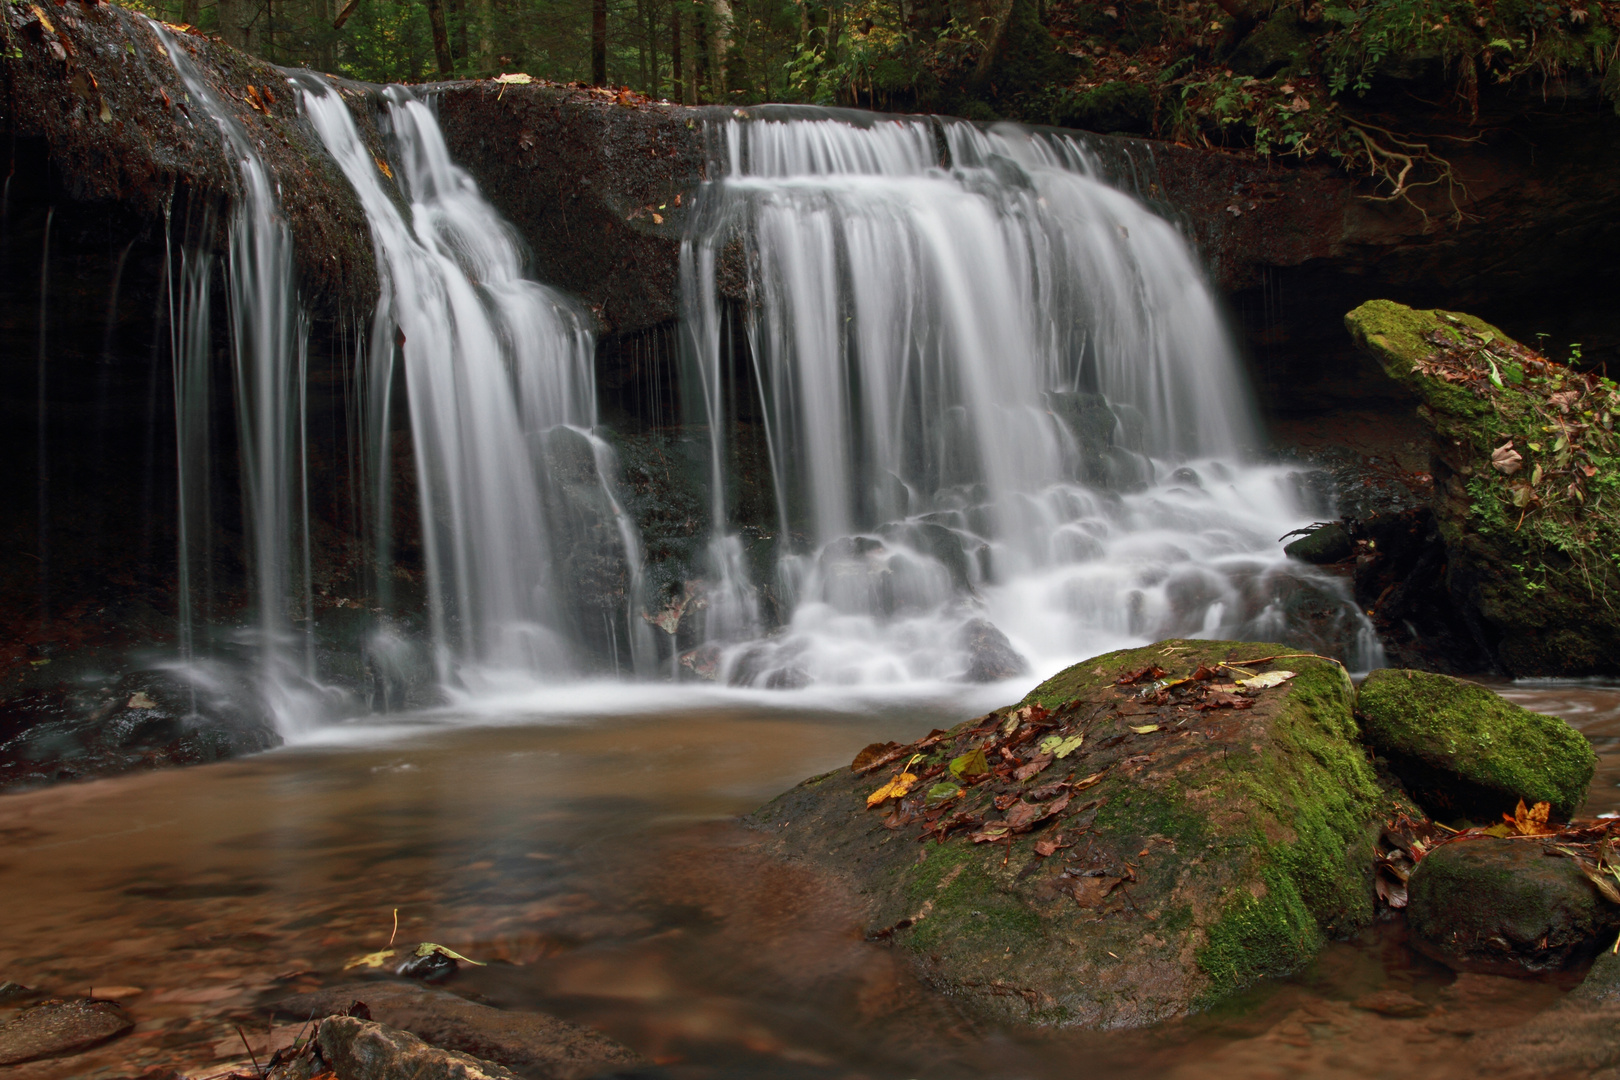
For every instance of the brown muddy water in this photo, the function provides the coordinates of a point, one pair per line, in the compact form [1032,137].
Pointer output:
[594,862]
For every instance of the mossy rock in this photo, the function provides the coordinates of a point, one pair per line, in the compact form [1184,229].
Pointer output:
[1533,542]
[1506,907]
[1464,752]
[1328,544]
[1272,47]
[1199,849]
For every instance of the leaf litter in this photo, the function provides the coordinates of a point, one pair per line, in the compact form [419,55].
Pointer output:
[986,780]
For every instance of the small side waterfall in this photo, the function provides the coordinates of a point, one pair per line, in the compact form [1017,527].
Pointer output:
[994,390]
[269,348]
[518,513]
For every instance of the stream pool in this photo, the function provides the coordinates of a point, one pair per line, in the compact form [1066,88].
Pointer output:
[586,848]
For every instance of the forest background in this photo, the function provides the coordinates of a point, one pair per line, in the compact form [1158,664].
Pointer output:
[1296,79]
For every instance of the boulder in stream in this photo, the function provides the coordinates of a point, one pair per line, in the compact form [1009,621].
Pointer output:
[1463,751]
[348,1048]
[1506,907]
[1144,834]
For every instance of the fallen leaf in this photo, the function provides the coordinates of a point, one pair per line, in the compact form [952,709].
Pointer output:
[1032,713]
[996,830]
[1023,815]
[1060,747]
[1144,729]
[1531,822]
[894,789]
[1266,680]
[947,790]
[427,948]
[1081,785]
[1146,674]
[1506,460]
[43,21]
[658,219]
[139,700]
[1605,883]
[972,763]
[1090,892]
[1049,846]
[1217,700]
[516,78]
[372,960]
[1031,767]
[875,755]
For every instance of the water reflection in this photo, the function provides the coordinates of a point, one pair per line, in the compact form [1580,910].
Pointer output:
[593,863]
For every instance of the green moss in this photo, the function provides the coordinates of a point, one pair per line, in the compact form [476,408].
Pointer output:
[968,903]
[1467,731]
[1258,937]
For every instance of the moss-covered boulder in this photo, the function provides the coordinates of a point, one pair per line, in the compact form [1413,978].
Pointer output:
[1526,468]
[1142,835]
[1506,906]
[1464,752]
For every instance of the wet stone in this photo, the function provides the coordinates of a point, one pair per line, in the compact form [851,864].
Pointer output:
[52,1028]
[1506,906]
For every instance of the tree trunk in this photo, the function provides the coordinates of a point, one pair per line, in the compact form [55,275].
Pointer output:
[229,14]
[700,52]
[677,80]
[441,38]
[190,12]
[599,42]
[719,45]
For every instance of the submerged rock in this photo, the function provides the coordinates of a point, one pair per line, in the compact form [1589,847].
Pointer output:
[1138,838]
[1523,457]
[52,1028]
[533,1045]
[349,1048]
[1463,751]
[1506,906]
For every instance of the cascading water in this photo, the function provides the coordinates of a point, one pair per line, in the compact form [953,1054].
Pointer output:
[993,391]
[269,343]
[518,512]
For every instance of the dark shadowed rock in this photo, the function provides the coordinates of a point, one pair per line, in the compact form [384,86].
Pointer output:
[1190,840]
[1507,907]
[53,1028]
[533,1045]
[1462,751]
[1328,544]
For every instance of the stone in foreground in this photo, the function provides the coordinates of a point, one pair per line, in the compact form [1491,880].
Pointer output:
[1464,752]
[53,1028]
[347,1048]
[533,1045]
[1142,835]
[1506,907]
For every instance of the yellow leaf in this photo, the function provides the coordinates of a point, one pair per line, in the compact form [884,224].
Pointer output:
[658,219]
[139,700]
[894,789]
[372,960]
[43,21]
[1145,728]
[427,948]
[516,78]
[972,763]
[1059,747]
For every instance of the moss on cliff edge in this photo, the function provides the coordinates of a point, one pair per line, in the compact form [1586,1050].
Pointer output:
[1527,484]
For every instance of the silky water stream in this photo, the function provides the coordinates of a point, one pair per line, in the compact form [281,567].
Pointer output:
[590,855]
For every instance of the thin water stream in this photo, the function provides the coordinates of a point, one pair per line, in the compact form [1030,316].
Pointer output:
[589,852]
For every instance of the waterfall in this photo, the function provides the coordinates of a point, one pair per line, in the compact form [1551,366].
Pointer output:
[532,565]
[269,350]
[997,397]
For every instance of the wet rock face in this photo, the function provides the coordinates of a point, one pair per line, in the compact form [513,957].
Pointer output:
[1108,854]
[348,1048]
[1506,906]
[143,720]
[1462,751]
[98,88]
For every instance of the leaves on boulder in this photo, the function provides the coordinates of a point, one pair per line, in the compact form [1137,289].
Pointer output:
[971,764]
[899,785]
[1060,746]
